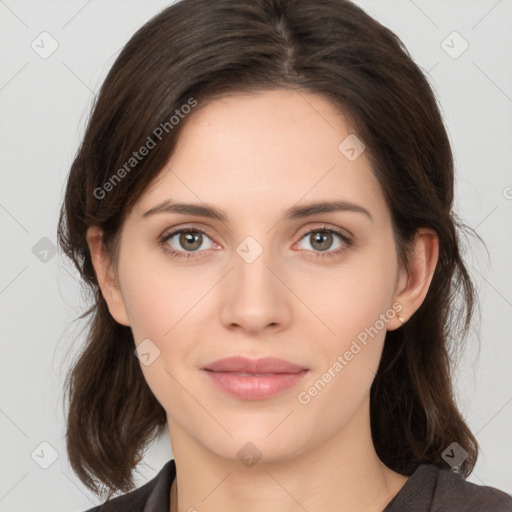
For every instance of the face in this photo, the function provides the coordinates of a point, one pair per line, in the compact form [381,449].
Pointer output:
[314,290]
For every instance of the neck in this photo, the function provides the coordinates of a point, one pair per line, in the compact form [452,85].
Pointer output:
[342,474]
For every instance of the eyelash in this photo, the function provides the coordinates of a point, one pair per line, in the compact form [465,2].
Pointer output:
[192,255]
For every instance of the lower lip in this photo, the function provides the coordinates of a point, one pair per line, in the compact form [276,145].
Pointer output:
[255,387]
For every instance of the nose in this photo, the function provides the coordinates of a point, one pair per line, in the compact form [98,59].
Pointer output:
[255,296]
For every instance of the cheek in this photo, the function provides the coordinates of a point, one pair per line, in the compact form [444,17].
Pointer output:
[163,303]
[158,293]
[148,310]
[353,298]
[351,352]
[356,308]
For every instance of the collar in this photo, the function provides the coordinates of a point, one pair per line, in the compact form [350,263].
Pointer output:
[159,498]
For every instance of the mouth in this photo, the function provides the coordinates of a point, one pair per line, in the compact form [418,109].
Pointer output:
[254,379]
[264,365]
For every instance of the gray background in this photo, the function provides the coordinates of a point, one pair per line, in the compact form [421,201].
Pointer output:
[44,105]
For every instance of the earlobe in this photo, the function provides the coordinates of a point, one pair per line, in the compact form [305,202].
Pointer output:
[105,275]
[422,264]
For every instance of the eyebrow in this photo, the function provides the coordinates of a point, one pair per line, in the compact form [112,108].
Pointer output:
[296,212]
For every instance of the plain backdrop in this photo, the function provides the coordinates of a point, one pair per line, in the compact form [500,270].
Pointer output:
[465,48]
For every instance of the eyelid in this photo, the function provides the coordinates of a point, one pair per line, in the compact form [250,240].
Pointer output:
[318,225]
[186,227]
[328,227]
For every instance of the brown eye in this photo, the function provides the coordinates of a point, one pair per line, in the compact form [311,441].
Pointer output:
[186,242]
[321,240]
[190,240]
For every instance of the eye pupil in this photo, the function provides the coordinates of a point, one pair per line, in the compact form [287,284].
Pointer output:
[324,238]
[191,237]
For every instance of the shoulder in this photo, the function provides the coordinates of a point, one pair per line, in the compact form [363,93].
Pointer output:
[153,494]
[432,489]
[453,491]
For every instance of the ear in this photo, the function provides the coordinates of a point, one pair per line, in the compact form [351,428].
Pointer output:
[412,287]
[105,275]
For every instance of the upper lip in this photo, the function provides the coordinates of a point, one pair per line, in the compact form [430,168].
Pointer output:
[245,365]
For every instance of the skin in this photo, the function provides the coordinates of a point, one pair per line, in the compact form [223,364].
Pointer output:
[254,156]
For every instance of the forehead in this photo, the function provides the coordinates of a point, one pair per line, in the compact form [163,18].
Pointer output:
[262,151]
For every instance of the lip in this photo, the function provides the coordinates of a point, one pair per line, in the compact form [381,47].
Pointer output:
[254,379]
[246,365]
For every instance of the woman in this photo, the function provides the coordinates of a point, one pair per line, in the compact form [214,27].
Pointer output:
[262,207]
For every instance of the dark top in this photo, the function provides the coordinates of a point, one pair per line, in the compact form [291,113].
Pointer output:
[428,489]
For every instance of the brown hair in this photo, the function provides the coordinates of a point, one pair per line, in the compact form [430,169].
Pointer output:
[197,49]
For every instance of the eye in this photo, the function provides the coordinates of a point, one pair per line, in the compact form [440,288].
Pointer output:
[188,240]
[321,239]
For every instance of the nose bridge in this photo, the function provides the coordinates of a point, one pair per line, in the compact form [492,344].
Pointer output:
[255,296]
[252,272]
